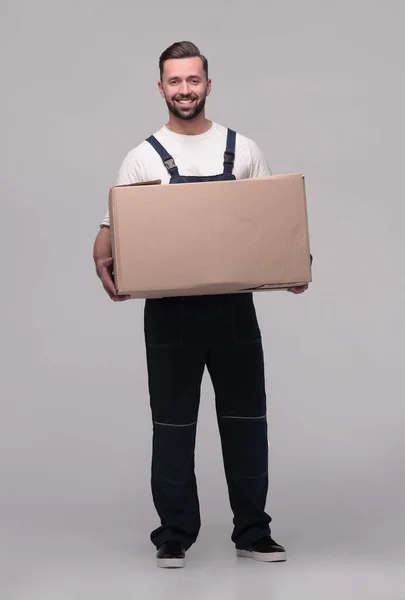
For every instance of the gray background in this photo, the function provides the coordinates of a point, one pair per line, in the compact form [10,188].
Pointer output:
[319,86]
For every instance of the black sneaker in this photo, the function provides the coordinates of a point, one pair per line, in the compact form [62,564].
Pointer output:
[264,549]
[171,555]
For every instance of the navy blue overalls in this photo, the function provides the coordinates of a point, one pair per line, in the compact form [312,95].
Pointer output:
[184,335]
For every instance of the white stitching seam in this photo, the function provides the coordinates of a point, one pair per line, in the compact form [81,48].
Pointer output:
[174,425]
[247,418]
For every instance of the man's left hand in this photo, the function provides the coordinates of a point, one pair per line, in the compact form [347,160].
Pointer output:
[298,289]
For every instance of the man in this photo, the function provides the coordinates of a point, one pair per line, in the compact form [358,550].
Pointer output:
[183,335]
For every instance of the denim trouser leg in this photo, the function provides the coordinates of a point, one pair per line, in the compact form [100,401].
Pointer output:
[237,373]
[175,378]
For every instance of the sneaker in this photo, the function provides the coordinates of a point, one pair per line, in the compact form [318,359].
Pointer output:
[171,555]
[264,549]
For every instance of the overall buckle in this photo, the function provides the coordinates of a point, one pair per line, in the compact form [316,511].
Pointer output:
[169,164]
[229,158]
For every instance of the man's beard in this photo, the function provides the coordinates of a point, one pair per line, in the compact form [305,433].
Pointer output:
[186,114]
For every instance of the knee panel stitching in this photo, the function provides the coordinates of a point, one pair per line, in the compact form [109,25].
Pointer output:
[243,418]
[174,424]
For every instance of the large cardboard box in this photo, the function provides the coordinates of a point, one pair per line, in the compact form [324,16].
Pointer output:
[210,237]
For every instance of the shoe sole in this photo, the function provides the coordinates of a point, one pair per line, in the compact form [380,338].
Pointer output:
[171,563]
[263,556]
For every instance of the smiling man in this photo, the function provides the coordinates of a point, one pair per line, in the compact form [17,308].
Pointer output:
[186,103]
[185,335]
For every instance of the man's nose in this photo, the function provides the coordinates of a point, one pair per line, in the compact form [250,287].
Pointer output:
[184,88]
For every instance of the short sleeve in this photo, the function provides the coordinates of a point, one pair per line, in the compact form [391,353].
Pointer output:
[259,166]
[129,172]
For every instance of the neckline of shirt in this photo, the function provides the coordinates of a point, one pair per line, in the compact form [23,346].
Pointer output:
[189,138]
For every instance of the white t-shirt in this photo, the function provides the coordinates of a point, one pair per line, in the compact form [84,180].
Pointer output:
[200,155]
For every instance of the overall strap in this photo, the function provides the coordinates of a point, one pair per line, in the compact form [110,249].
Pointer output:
[167,159]
[229,154]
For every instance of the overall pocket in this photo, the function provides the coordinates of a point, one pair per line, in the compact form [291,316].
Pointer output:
[164,322]
[245,325]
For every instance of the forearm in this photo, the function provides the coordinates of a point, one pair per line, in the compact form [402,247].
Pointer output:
[102,245]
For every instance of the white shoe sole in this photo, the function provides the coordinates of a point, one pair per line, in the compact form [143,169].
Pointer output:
[171,563]
[263,556]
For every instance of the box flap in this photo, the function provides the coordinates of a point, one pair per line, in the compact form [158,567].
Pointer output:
[152,182]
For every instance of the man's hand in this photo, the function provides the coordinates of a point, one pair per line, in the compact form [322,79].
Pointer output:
[104,268]
[298,289]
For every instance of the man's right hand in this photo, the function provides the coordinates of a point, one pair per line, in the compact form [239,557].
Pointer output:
[104,268]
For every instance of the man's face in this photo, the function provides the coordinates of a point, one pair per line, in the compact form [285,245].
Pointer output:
[185,87]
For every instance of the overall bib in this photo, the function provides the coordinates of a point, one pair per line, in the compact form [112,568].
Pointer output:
[183,335]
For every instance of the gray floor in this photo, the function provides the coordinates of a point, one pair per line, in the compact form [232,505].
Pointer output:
[93,553]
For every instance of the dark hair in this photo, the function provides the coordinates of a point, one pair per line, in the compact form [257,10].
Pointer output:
[182,50]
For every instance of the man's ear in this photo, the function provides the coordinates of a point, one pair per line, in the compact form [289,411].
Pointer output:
[208,87]
[160,86]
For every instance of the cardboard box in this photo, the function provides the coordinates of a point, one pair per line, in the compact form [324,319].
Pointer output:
[211,237]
